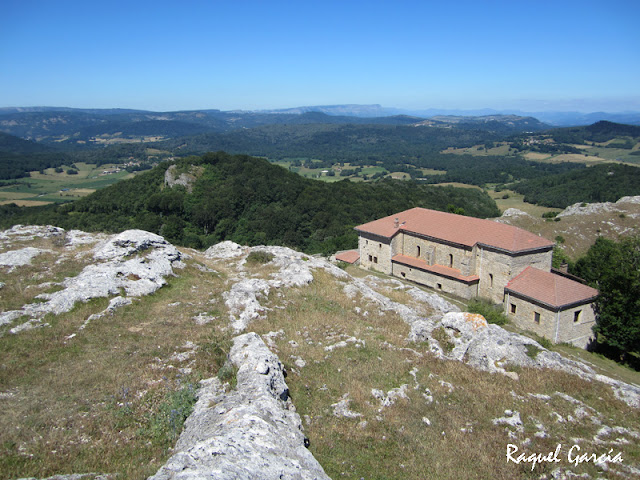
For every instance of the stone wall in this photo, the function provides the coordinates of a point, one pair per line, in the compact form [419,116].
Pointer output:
[437,282]
[496,269]
[577,331]
[375,252]
[559,326]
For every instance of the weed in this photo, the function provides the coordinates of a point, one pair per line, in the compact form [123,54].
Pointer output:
[165,425]
[227,374]
[259,257]
[532,351]
[443,339]
[492,313]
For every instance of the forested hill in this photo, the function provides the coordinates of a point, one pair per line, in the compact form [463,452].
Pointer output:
[18,156]
[249,201]
[602,131]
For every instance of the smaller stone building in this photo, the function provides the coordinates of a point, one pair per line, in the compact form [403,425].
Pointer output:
[552,306]
[471,257]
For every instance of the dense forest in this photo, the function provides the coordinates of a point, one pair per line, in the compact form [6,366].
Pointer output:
[601,183]
[614,269]
[250,201]
[599,132]
[18,157]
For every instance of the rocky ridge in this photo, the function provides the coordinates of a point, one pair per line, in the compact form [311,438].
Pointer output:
[134,261]
[229,430]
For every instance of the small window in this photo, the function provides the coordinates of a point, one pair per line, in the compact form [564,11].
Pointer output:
[576,316]
[513,308]
[371,258]
[536,317]
[491,280]
[418,255]
[375,259]
[439,286]
[380,245]
[451,260]
[403,274]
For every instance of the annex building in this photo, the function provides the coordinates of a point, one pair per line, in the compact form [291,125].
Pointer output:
[470,257]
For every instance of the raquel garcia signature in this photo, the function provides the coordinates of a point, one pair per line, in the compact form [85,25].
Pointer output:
[573,456]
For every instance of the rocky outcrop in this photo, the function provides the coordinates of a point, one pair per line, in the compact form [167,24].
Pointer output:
[470,339]
[134,261]
[250,432]
[226,249]
[294,270]
[20,257]
[594,208]
[185,179]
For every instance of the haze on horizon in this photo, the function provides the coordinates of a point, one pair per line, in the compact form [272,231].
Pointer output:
[415,55]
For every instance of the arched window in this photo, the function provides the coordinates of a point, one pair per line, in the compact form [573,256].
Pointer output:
[418,255]
[491,280]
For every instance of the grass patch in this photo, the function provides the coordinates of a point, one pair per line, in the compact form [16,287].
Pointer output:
[259,257]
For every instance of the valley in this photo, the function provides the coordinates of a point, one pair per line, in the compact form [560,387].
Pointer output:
[134,259]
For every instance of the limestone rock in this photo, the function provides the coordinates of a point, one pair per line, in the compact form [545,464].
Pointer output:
[185,179]
[491,348]
[226,249]
[514,212]
[30,232]
[19,258]
[242,301]
[251,432]
[434,300]
[134,260]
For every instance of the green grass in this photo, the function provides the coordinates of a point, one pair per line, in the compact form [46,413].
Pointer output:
[48,187]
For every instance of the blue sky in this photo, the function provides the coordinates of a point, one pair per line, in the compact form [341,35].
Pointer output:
[171,55]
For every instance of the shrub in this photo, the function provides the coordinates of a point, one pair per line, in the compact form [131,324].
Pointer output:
[259,256]
[492,313]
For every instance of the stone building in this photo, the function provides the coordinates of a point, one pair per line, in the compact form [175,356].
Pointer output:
[470,257]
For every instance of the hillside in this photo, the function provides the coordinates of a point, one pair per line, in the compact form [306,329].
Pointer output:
[18,157]
[247,200]
[578,226]
[108,341]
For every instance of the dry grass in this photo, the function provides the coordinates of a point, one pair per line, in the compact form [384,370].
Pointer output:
[93,401]
[394,442]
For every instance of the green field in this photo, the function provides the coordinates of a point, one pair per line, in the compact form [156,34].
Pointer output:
[52,187]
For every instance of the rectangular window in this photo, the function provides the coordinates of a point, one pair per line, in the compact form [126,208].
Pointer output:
[536,317]
[375,259]
[513,308]
[576,316]
[370,258]
[439,286]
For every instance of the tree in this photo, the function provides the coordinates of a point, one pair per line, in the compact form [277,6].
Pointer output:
[614,269]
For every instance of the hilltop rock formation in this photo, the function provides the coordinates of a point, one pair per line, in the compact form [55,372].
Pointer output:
[134,261]
[250,432]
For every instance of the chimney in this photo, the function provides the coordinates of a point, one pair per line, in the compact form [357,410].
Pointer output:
[396,223]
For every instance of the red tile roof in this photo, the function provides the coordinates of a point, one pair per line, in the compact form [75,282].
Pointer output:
[549,288]
[458,229]
[437,269]
[350,256]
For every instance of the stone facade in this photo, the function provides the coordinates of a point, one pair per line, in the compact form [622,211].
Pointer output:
[375,252]
[567,325]
[472,258]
